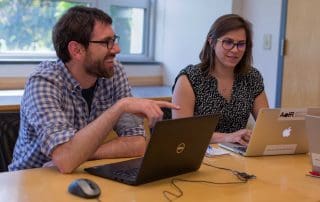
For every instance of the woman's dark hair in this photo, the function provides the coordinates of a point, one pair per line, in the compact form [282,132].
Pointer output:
[76,25]
[220,27]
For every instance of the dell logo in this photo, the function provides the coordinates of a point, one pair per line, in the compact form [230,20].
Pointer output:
[180,148]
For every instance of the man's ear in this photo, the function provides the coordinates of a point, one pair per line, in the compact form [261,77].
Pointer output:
[75,49]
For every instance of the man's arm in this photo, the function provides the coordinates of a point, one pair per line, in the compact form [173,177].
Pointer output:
[86,141]
[126,146]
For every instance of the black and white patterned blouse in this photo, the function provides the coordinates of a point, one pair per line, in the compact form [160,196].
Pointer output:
[234,113]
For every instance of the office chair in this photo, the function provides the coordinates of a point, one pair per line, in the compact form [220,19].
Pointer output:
[9,130]
[167,114]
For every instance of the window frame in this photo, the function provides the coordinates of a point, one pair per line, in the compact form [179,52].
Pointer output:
[148,32]
[148,39]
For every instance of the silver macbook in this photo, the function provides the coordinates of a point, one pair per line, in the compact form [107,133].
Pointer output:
[313,134]
[277,131]
[176,146]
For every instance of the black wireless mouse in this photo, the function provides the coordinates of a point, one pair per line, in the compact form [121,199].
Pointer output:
[84,188]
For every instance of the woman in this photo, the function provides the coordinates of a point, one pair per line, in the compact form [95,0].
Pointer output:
[223,82]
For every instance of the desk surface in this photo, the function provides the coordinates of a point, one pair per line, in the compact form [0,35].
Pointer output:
[10,99]
[279,178]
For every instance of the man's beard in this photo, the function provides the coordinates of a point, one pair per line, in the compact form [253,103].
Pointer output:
[97,68]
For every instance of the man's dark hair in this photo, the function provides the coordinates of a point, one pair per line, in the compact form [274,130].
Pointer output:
[76,25]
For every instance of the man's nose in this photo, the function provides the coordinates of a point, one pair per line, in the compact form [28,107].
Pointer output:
[115,49]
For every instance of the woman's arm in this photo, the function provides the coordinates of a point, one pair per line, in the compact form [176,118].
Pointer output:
[183,96]
[261,101]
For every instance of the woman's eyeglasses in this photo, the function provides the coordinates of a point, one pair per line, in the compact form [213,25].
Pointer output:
[229,44]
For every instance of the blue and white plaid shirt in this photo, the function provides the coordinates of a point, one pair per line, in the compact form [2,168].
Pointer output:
[53,110]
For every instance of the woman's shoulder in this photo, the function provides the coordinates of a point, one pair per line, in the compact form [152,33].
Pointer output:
[191,70]
[254,70]
[252,78]
[254,74]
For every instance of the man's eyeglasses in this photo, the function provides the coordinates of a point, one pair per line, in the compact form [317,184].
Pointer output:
[229,44]
[109,43]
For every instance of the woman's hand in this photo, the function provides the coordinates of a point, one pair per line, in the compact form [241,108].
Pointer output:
[241,136]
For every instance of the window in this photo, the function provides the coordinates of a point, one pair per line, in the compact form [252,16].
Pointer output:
[133,23]
[26,25]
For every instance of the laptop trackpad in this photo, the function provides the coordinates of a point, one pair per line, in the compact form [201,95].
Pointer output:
[234,147]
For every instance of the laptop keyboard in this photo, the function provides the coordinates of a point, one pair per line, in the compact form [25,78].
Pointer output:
[130,173]
[241,148]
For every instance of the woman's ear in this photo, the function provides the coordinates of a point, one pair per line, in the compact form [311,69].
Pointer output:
[210,41]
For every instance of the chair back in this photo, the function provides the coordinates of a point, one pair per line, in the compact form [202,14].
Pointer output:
[167,114]
[9,130]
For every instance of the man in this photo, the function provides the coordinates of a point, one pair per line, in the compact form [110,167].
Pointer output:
[70,105]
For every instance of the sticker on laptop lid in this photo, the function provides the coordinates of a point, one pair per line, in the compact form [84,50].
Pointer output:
[292,114]
[315,158]
[280,149]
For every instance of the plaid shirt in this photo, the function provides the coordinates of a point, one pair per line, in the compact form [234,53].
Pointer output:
[53,110]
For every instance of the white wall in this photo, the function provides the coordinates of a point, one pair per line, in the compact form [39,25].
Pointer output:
[182,26]
[265,17]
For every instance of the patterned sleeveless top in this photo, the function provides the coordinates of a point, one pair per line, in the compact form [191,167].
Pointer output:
[234,114]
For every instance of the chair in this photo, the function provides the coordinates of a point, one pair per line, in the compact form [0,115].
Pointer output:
[9,130]
[167,114]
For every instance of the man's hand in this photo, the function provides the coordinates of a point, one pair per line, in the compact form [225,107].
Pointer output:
[149,109]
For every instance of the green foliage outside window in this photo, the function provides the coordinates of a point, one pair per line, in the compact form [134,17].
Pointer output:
[26,25]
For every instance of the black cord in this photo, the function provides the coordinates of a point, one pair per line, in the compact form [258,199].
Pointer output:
[242,176]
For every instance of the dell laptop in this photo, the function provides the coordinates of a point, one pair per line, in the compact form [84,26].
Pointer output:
[176,146]
[276,132]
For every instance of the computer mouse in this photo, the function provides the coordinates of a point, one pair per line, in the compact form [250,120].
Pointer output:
[84,188]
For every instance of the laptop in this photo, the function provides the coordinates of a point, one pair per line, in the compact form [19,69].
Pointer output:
[276,132]
[313,135]
[176,146]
